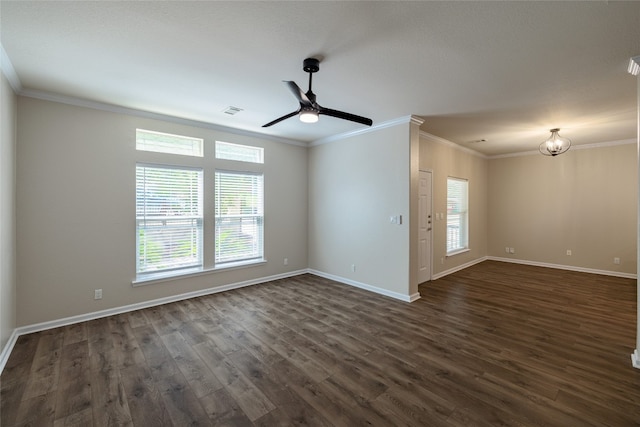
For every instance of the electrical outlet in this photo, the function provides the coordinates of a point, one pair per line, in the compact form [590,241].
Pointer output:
[353,268]
[616,260]
[97,294]
[286,261]
[506,249]
[512,250]
[569,252]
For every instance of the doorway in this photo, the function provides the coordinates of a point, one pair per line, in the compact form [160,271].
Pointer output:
[425,226]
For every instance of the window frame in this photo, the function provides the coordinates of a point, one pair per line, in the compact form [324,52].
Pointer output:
[221,154]
[178,150]
[208,163]
[462,222]
[221,261]
[166,221]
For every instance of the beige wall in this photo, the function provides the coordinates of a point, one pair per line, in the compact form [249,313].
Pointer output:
[355,185]
[584,201]
[7,211]
[76,210]
[327,208]
[446,160]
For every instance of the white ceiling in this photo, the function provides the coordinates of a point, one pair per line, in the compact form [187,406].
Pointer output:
[506,72]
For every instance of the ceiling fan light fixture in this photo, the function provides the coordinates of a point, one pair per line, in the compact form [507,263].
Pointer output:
[309,109]
[308,116]
[555,144]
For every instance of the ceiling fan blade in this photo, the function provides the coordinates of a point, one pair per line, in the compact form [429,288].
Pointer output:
[279,119]
[345,116]
[299,94]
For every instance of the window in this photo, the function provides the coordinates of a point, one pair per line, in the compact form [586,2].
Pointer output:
[457,215]
[177,199]
[147,140]
[239,216]
[242,153]
[168,218]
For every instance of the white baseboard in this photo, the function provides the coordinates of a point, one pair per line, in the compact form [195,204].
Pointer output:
[458,268]
[565,267]
[635,359]
[367,287]
[8,348]
[23,330]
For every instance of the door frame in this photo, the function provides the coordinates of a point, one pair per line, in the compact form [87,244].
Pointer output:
[430,238]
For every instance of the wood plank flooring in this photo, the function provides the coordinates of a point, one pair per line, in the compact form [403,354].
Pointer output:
[496,344]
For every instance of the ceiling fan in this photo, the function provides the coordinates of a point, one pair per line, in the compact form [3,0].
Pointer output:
[309,109]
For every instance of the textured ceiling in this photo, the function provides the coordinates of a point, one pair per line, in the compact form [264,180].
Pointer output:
[505,72]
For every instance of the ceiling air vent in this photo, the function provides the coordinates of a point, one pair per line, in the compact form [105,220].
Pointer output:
[232,111]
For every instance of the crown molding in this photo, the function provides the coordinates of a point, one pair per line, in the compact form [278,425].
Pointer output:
[573,148]
[634,65]
[443,141]
[78,102]
[416,120]
[448,143]
[383,125]
[9,72]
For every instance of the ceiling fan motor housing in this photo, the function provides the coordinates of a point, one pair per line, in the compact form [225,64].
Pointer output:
[311,65]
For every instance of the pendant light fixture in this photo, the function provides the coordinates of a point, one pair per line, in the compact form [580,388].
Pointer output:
[555,144]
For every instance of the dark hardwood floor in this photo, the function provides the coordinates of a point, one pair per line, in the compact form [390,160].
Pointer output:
[494,345]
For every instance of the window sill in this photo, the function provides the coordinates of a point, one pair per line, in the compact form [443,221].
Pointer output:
[149,279]
[457,252]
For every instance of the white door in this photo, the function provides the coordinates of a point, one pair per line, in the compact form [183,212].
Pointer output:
[425,225]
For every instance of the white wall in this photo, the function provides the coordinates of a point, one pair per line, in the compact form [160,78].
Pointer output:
[7,211]
[355,185]
[76,210]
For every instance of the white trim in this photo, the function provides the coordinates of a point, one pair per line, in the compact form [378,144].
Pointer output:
[604,144]
[634,65]
[78,102]
[416,120]
[448,143]
[635,359]
[149,279]
[566,267]
[457,252]
[10,73]
[8,348]
[535,264]
[458,268]
[573,148]
[23,330]
[345,135]
[375,289]
[439,140]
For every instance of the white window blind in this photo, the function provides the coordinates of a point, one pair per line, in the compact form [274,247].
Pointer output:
[147,140]
[239,216]
[168,218]
[238,152]
[457,214]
